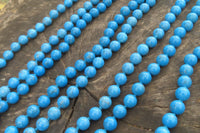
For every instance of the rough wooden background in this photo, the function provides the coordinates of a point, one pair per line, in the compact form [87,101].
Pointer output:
[17,18]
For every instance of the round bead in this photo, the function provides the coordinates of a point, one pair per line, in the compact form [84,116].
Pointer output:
[81,24]
[54,113]
[32,33]
[31,79]
[43,101]
[33,111]
[72,92]
[115,46]
[56,55]
[106,53]
[108,3]
[80,65]
[151,2]
[29,130]
[83,123]
[61,81]
[104,41]
[42,124]
[2,63]
[61,33]
[138,89]
[23,39]
[133,5]
[177,107]
[105,102]
[70,72]
[13,82]
[100,131]
[175,41]
[31,65]
[151,42]
[23,89]
[101,7]
[136,58]
[81,12]
[162,60]
[110,123]
[193,17]
[88,5]
[144,7]
[137,14]
[197,52]
[53,40]
[68,3]
[132,21]
[170,17]
[182,93]
[8,55]
[12,97]
[15,47]
[47,21]
[63,102]
[120,79]
[3,106]
[169,50]
[176,10]
[95,2]
[154,69]
[130,101]
[61,8]
[162,130]
[21,121]
[97,49]
[165,25]
[190,59]
[68,25]
[180,31]
[113,25]
[181,3]
[119,19]
[170,120]
[39,71]
[114,91]
[186,70]
[89,57]
[95,113]
[63,47]
[125,11]
[158,33]
[23,74]
[126,28]
[128,68]
[4,91]
[184,81]
[122,37]
[90,71]
[81,81]
[187,24]
[98,62]
[143,49]
[87,17]
[69,39]
[48,62]
[109,32]
[74,18]
[53,91]
[94,12]
[11,129]
[46,47]
[40,27]
[71,130]
[145,77]
[53,14]
[39,56]
[119,111]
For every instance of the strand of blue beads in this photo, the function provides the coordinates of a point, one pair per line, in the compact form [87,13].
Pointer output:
[48,62]
[32,33]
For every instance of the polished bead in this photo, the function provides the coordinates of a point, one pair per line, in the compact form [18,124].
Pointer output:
[12,97]
[184,81]
[87,17]
[63,102]
[119,111]
[196,52]
[193,17]
[15,46]
[81,81]
[61,81]
[3,106]
[176,10]
[70,72]
[105,102]
[42,124]
[88,5]
[83,123]
[72,92]
[74,18]
[180,31]
[2,63]
[33,111]
[106,53]
[13,82]
[61,8]
[115,46]
[109,32]
[144,7]
[70,39]
[100,131]
[53,91]
[94,12]
[53,14]
[89,57]
[68,25]
[119,19]
[138,89]
[54,113]
[4,91]
[23,39]
[40,27]
[75,31]
[136,58]
[90,71]
[132,21]
[151,2]
[32,33]
[31,79]
[170,17]
[128,68]
[53,40]
[170,120]
[47,21]
[46,47]
[113,25]
[21,121]
[63,47]
[80,65]
[186,70]
[154,69]
[29,130]
[95,113]
[177,107]
[137,14]
[125,11]
[39,56]
[175,41]
[114,91]
[143,49]
[151,42]
[165,25]
[104,41]
[22,89]
[158,33]
[191,59]
[162,130]
[101,7]
[11,129]
[56,55]
[120,79]
[43,101]
[187,24]
[110,123]
[98,62]
[126,28]
[81,12]
[182,93]
[162,60]
[48,62]
[95,2]
[145,77]
[108,3]
[31,65]
[181,3]
[169,50]
[122,37]
[39,71]
[97,49]
[71,130]
[133,5]
[61,33]
[130,101]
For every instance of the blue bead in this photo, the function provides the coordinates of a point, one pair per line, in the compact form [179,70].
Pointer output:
[122,37]
[94,12]
[15,46]
[71,130]
[108,3]
[68,3]
[53,91]
[106,53]
[68,25]
[113,25]
[3,106]
[32,33]
[54,113]
[115,46]
[132,21]
[158,33]
[165,25]
[170,17]
[128,68]
[186,70]
[70,72]
[4,90]
[56,55]
[198,2]
[2,63]
[170,120]
[119,19]
[87,17]
[11,129]
[187,24]
[69,39]
[97,49]
[39,56]
[125,11]
[61,33]
[162,60]
[31,65]
[61,81]
[151,42]
[193,17]
[119,111]
[133,5]
[63,47]
[95,2]
[109,32]
[100,131]
[120,79]
[13,82]
[126,28]
[48,62]
[114,91]
[29,130]
[151,2]
[162,130]
[175,41]
[182,93]
[80,65]
[12,98]
[177,107]
[31,79]
[130,101]
[61,8]
[21,121]
[74,18]
[104,41]
[89,57]
[110,123]
[181,3]
[154,69]
[53,14]
[83,123]
[136,58]
[81,11]
[63,102]
[90,71]
[184,81]
[75,31]
[143,49]
[72,92]
[105,102]
[81,81]
[95,113]
[196,52]
[101,7]
[176,10]
[88,5]
[46,47]
[98,62]
[137,14]
[33,111]
[23,89]
[23,39]
[190,59]
[180,31]
[53,40]
[8,55]
[145,77]
[138,89]
[42,124]
[144,8]
[47,21]
[40,27]
[43,101]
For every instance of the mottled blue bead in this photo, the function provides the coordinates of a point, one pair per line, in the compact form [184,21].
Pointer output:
[81,81]
[71,130]
[40,27]
[74,18]
[119,111]
[39,56]
[21,121]
[120,79]
[15,46]
[4,90]
[95,2]
[42,124]
[53,91]
[81,24]
[108,3]
[158,33]
[186,69]
[109,32]
[110,123]
[165,25]
[68,25]
[53,14]
[46,47]
[151,42]
[61,33]
[48,62]
[80,65]
[33,111]
[169,50]
[154,69]
[151,2]
[95,113]
[130,101]
[61,81]
[191,59]
[177,107]
[32,33]
[31,79]
[68,3]
[31,65]
[83,123]
[176,10]
[70,72]
[198,2]
[136,58]
[13,82]
[187,24]
[47,21]
[162,130]
[115,46]
[119,19]
[184,81]
[101,7]
[175,41]
[104,41]
[89,57]
[138,89]
[140,1]
[69,39]
[193,17]
[90,71]
[88,5]
[100,131]
[122,37]
[87,17]
[162,60]
[143,49]
[61,8]
[11,129]
[133,5]
[22,89]
[145,77]
[137,14]
[144,8]
[114,91]
[170,17]
[63,47]
[98,62]
[132,21]
[106,53]
[23,39]
[63,102]
[8,55]
[182,93]
[3,106]
[12,98]
[126,28]
[113,25]
[196,52]
[72,92]
[94,12]
[43,101]
[53,40]
[81,12]
[54,113]
[128,68]
[181,3]
[29,130]
[2,63]
[170,120]
[125,11]
[97,49]
[180,31]
[75,31]
[105,102]
[56,55]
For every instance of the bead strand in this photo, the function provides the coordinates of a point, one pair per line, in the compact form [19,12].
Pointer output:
[32,33]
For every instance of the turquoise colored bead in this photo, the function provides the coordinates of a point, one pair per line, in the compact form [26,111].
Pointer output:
[100,131]
[169,50]
[22,89]
[182,93]
[81,12]
[113,25]
[177,107]
[21,121]
[144,7]
[3,106]
[145,78]
[151,2]
[32,33]
[42,124]
[120,79]
[33,111]
[88,5]
[140,1]
[63,102]
[83,123]
[13,82]
[74,18]
[165,25]
[180,31]
[181,3]
[39,56]
[110,123]
[115,46]
[56,55]
[196,52]
[53,40]
[132,21]
[158,33]
[70,39]
[162,60]
[44,101]
[72,92]
[133,5]
[184,81]
[70,72]
[109,32]
[190,59]
[136,58]
[11,129]
[154,69]
[90,71]
[151,42]
[12,98]
[143,49]
[170,120]
[187,24]
[95,2]
[29,130]
[97,49]
[138,89]
[54,113]
[119,19]
[63,47]
[81,81]
[61,81]
[53,14]
[47,21]
[15,46]
[119,111]
[68,25]
[98,62]
[130,101]
[68,3]
[23,74]
[193,17]
[176,10]
[40,27]
[94,12]
[128,68]
[95,113]
[61,33]
[125,11]
[170,17]
[48,62]
[108,3]
[80,65]
[175,41]
[114,91]
[2,63]
[53,91]
[87,17]
[39,71]
[31,65]
[101,7]
[61,8]
[122,37]
[106,53]
[46,47]
[126,28]
[89,57]
[104,41]
[162,130]
[105,102]
[71,130]
[76,32]
[137,14]
[186,69]
[4,91]
[23,39]
[31,79]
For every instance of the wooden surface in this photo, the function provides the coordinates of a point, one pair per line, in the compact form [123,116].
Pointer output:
[17,18]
